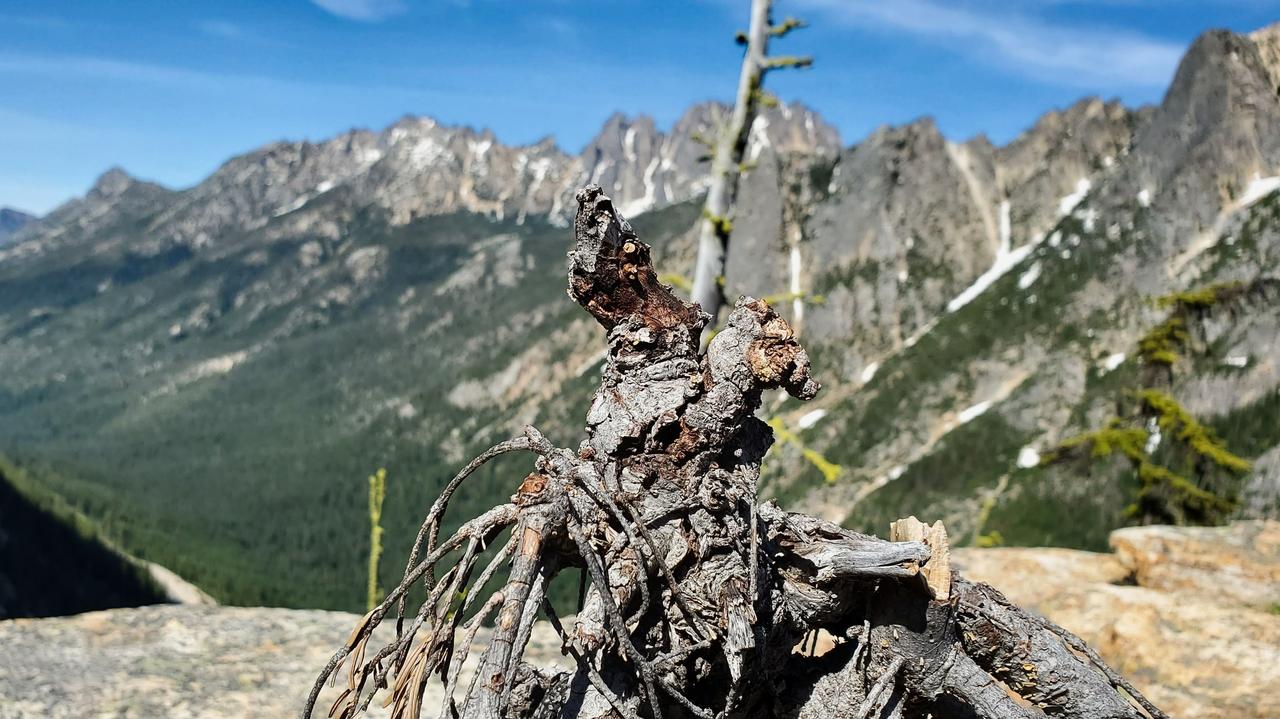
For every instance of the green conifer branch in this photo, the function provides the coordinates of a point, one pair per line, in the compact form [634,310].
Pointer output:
[1176,421]
[787,61]
[787,26]
[722,225]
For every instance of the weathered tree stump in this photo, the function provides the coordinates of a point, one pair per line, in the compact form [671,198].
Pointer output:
[701,602]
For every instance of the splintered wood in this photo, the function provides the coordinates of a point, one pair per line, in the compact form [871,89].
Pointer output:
[937,571]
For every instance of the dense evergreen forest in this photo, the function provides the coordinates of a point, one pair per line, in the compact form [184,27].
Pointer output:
[53,561]
[265,503]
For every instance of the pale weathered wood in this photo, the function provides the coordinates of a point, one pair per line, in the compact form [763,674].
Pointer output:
[937,573]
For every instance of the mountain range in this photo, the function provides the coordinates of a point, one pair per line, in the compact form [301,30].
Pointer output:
[211,373]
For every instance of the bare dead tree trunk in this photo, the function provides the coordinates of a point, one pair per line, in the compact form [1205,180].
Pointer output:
[700,601]
[728,147]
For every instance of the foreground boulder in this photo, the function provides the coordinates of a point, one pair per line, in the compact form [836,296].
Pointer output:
[1238,564]
[177,661]
[1189,614]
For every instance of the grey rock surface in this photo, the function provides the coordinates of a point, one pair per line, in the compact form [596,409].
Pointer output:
[182,661]
[1154,610]
[1197,653]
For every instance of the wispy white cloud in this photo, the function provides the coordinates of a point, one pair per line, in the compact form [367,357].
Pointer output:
[86,67]
[172,78]
[236,33]
[364,10]
[20,126]
[1017,40]
[221,29]
[556,26]
[33,22]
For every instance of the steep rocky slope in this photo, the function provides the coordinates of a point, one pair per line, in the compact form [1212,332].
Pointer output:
[1152,609]
[1045,347]
[212,371]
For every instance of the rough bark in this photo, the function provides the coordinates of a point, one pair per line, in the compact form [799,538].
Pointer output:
[701,602]
[728,148]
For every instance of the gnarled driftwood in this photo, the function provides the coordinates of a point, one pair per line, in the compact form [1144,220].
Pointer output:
[700,601]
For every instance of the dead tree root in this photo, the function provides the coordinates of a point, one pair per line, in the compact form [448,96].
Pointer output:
[699,601]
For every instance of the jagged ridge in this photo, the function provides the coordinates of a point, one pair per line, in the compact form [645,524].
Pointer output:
[225,358]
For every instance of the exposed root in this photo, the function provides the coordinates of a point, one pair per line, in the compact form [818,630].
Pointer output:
[1079,645]
[431,524]
[698,601]
[878,696]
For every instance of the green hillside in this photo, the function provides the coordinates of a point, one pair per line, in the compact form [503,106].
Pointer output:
[264,502]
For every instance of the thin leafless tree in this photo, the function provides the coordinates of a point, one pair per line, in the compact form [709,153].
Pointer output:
[728,149]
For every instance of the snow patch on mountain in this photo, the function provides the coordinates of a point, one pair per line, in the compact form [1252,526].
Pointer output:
[811,418]
[1069,202]
[869,372]
[1259,187]
[1028,457]
[968,414]
[999,268]
[1028,278]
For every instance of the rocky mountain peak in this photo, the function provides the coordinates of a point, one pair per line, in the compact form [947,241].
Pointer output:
[1210,138]
[1079,118]
[922,129]
[1268,42]
[111,184]
[419,167]
[11,220]
[1221,73]
[1046,170]
[795,127]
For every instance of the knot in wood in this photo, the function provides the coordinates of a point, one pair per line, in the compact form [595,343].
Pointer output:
[611,271]
[770,360]
[531,489]
[497,681]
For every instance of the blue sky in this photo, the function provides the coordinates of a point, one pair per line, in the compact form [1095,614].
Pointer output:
[169,90]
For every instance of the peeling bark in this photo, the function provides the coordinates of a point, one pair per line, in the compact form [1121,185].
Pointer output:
[700,601]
